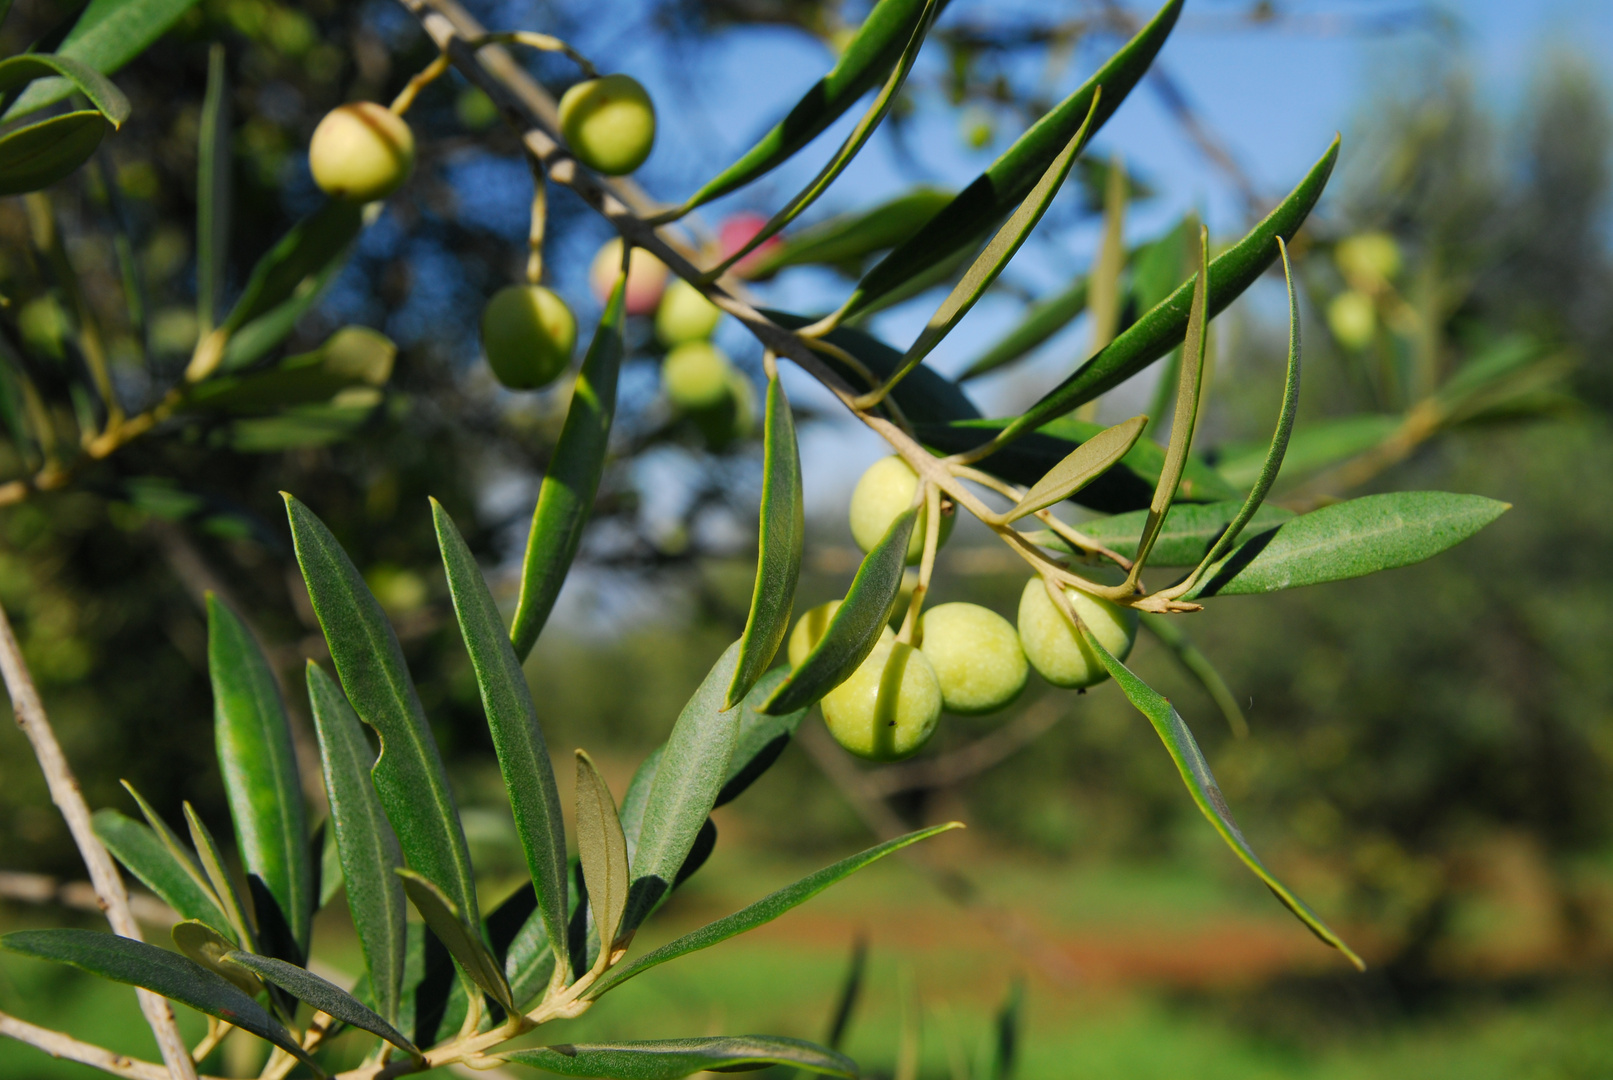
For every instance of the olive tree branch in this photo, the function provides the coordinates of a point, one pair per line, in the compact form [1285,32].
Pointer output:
[67,1048]
[64,792]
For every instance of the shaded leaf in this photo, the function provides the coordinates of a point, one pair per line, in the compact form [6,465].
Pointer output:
[147,858]
[1184,538]
[1041,322]
[213,191]
[668,1059]
[602,850]
[212,861]
[761,738]
[38,155]
[1312,446]
[1084,464]
[462,939]
[19,71]
[324,996]
[354,356]
[208,948]
[107,35]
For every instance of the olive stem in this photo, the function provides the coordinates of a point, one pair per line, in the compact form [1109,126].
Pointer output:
[422,79]
[540,218]
[542,42]
[910,633]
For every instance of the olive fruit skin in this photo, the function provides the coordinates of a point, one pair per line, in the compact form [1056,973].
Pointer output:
[697,376]
[646,277]
[609,123]
[1057,650]
[736,231]
[808,631]
[528,334]
[881,495]
[685,315]
[889,707]
[361,152]
[976,655]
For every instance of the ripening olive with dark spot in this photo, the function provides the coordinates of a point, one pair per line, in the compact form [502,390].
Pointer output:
[609,123]
[361,151]
[883,493]
[976,655]
[1056,648]
[528,334]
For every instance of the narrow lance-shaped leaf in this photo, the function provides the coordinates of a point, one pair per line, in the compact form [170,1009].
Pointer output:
[19,71]
[1041,322]
[1162,329]
[692,770]
[409,776]
[107,35]
[669,1059]
[781,534]
[462,939]
[223,887]
[764,910]
[1189,387]
[971,216]
[1349,539]
[323,995]
[1313,445]
[603,851]
[1279,439]
[870,54]
[523,755]
[212,191]
[145,856]
[990,263]
[162,972]
[572,480]
[1111,259]
[854,631]
[1084,464]
[845,240]
[1189,531]
[38,155]
[1201,785]
[852,145]
[182,856]
[259,767]
[365,843]
[1196,664]
[850,991]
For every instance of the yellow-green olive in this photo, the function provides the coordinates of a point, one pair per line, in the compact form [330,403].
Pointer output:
[976,656]
[884,491]
[1057,650]
[1353,318]
[527,333]
[361,152]
[609,123]
[697,376]
[685,315]
[1368,260]
[889,707]
[809,630]
[646,277]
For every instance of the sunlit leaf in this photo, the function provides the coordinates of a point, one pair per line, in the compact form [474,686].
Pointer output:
[602,849]
[1084,464]
[19,71]
[147,858]
[669,1059]
[323,995]
[107,35]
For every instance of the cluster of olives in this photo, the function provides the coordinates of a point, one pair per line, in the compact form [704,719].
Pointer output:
[968,659]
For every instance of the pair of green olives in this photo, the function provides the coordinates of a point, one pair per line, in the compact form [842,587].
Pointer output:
[968,660]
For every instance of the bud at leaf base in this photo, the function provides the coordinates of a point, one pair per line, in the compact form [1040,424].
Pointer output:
[528,334]
[361,152]
[609,123]
[976,656]
[883,493]
[1057,650]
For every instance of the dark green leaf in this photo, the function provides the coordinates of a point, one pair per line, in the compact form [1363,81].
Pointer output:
[846,240]
[40,154]
[302,253]
[461,938]
[567,496]
[602,850]
[867,59]
[325,996]
[850,991]
[259,767]
[364,841]
[1188,532]
[107,35]
[182,856]
[970,217]
[213,191]
[409,776]
[669,1059]
[1349,539]
[1008,1023]
[523,756]
[854,631]
[693,769]
[764,910]
[1085,463]
[1201,785]
[158,970]
[255,339]
[179,886]
[18,71]
[1163,328]
[778,556]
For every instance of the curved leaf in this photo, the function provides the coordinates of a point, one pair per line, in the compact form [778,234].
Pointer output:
[846,240]
[572,480]
[208,947]
[782,533]
[259,767]
[602,850]
[1187,534]
[365,843]
[212,861]
[1312,446]
[409,776]
[1041,322]
[854,631]
[1196,664]
[1084,464]
[325,996]
[40,154]
[1349,539]
[1184,751]
[107,35]
[173,976]
[19,71]
[761,739]
[669,1059]
[462,939]
[145,856]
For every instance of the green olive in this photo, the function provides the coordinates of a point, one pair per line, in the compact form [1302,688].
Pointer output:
[697,376]
[685,315]
[976,656]
[808,630]
[884,491]
[361,152]
[1056,649]
[889,707]
[1353,318]
[528,333]
[609,123]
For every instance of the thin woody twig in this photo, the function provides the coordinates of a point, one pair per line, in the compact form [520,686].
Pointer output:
[67,1048]
[65,793]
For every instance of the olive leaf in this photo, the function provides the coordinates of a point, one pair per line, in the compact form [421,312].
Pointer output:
[669,1059]
[107,35]
[1187,533]
[603,851]
[782,532]
[1084,464]
[1042,321]
[19,71]
[38,155]
[145,856]
[223,886]
[323,995]
[854,631]
[208,948]
[462,939]
[212,191]
[845,240]
[1192,660]
[184,859]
